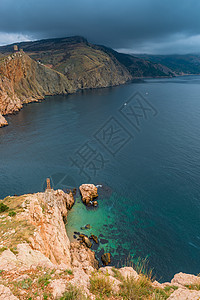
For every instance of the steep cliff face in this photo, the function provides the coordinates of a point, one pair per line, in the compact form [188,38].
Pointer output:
[23,80]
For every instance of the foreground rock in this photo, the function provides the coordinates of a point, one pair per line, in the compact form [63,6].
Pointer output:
[37,258]
[88,193]
[185,294]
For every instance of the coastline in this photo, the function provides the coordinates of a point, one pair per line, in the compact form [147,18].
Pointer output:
[4,122]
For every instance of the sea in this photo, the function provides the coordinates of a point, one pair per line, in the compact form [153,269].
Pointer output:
[140,144]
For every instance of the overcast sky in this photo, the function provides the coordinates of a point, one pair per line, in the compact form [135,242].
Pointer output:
[135,26]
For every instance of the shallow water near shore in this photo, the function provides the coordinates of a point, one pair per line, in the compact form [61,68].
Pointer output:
[150,172]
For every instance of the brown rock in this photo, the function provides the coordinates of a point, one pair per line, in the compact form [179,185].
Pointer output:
[106,259]
[3,121]
[87,241]
[95,238]
[23,80]
[88,193]
[95,203]
[88,226]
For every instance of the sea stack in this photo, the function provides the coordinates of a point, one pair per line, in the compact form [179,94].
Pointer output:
[88,193]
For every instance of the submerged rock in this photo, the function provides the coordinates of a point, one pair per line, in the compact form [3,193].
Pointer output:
[88,226]
[106,259]
[103,241]
[95,203]
[88,193]
[95,238]
[87,241]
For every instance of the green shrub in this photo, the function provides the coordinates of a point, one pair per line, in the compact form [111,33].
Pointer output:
[3,207]
[193,287]
[69,272]
[12,213]
[44,280]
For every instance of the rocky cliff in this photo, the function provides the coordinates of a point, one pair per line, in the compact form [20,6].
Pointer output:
[23,80]
[37,260]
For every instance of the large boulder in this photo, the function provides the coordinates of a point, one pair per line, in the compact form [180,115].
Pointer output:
[185,294]
[88,193]
[185,279]
[128,272]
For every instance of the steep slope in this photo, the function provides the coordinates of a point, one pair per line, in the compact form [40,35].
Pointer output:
[22,80]
[139,67]
[181,64]
[89,65]
[83,65]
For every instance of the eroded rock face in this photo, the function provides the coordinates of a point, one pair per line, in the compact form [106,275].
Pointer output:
[88,193]
[24,80]
[83,257]
[46,213]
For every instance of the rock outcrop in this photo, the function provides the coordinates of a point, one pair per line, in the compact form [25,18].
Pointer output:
[88,193]
[3,121]
[46,212]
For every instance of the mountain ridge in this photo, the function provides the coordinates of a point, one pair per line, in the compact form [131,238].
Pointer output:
[63,66]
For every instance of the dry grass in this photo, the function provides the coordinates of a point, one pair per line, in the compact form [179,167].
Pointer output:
[73,293]
[14,229]
[36,284]
[100,285]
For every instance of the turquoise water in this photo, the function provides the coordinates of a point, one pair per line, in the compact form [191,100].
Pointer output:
[149,205]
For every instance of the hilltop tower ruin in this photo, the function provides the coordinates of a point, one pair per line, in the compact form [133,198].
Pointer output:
[15,48]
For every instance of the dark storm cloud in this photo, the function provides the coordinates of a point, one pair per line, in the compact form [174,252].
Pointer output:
[133,25]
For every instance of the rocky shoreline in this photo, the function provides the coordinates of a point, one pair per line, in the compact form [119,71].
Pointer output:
[37,260]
